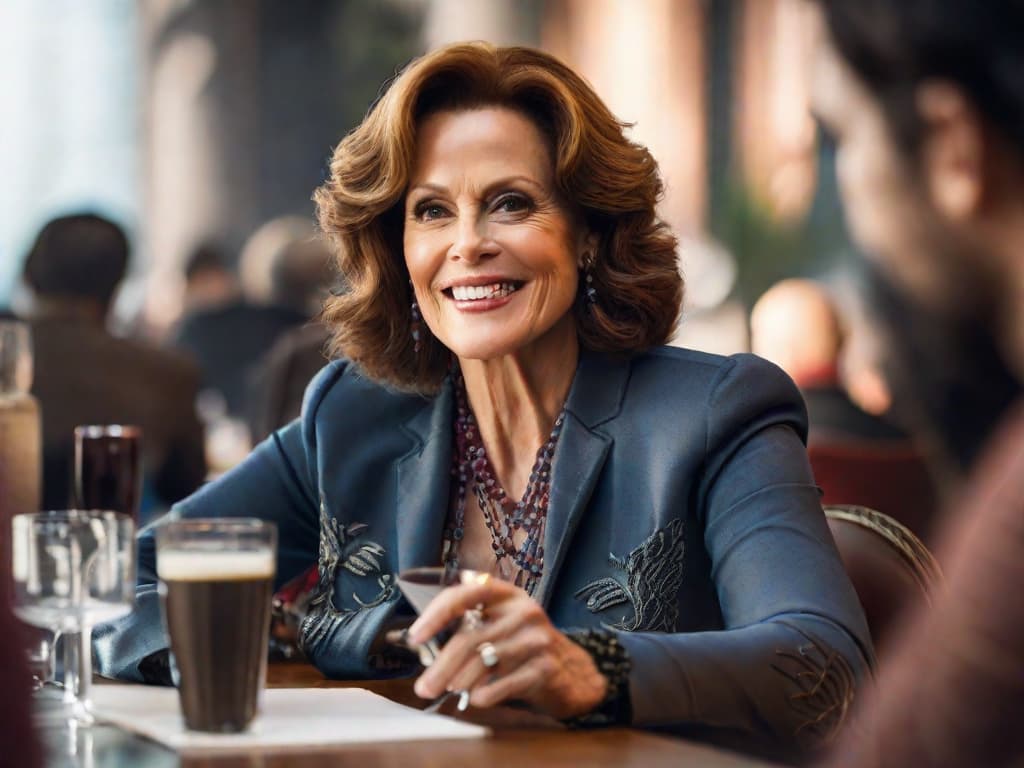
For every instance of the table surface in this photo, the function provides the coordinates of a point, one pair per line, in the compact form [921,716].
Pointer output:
[518,739]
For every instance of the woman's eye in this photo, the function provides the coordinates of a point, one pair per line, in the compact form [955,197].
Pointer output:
[512,204]
[429,211]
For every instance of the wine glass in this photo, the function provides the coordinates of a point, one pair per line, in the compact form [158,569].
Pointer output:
[73,569]
[420,586]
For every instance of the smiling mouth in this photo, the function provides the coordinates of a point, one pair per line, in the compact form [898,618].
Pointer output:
[481,292]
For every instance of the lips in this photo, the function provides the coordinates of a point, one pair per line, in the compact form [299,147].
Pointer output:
[497,290]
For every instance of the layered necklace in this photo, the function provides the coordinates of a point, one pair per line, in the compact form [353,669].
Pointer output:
[522,565]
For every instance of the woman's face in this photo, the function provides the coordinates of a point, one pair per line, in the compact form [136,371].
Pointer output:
[492,251]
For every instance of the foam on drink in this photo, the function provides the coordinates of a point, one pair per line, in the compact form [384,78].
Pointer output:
[190,565]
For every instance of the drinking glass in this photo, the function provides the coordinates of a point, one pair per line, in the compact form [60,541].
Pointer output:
[73,569]
[216,579]
[108,468]
[41,655]
[420,586]
[15,356]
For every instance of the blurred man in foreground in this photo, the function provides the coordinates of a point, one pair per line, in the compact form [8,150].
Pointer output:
[926,100]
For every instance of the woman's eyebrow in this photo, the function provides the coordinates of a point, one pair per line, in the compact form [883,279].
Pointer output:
[431,187]
[507,180]
[427,187]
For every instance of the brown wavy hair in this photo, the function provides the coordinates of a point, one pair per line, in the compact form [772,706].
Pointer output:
[612,184]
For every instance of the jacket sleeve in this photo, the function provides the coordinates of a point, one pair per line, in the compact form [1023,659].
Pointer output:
[795,642]
[276,482]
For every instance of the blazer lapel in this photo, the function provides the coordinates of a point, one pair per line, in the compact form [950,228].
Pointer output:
[424,477]
[595,398]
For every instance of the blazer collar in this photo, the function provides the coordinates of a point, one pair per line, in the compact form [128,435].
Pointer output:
[598,388]
[424,476]
[424,481]
[595,398]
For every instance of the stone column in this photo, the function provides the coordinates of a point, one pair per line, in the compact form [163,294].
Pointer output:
[200,135]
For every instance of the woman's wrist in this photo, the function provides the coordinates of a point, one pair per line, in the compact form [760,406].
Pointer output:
[612,661]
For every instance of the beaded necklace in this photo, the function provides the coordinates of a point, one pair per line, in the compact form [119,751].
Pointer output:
[521,565]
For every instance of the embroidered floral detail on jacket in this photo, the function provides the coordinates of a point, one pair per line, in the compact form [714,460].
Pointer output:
[653,573]
[825,684]
[338,549]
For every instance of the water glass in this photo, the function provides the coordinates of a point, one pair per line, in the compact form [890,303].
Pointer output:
[73,569]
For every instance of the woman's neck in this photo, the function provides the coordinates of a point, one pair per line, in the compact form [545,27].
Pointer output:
[516,399]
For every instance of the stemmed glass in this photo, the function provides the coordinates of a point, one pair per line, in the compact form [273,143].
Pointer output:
[420,586]
[73,569]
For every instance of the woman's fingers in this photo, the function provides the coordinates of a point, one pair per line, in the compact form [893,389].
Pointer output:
[494,659]
[453,602]
[501,622]
[520,683]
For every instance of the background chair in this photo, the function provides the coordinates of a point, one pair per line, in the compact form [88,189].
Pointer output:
[892,479]
[891,570]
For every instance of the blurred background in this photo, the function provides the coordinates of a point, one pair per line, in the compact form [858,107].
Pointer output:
[193,122]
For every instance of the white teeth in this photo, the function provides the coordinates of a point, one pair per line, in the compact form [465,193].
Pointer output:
[476,292]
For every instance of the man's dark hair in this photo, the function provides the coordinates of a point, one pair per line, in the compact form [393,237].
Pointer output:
[79,256]
[895,45]
[205,257]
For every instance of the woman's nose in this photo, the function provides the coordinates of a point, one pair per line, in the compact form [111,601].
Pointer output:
[472,241]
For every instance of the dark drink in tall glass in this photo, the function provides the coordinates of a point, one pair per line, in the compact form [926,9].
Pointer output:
[216,580]
[108,468]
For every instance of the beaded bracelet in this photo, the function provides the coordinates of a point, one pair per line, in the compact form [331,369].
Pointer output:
[612,660]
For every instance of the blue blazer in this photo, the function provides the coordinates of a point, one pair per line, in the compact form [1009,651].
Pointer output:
[683,514]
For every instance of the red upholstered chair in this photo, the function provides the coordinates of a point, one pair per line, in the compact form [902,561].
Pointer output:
[890,568]
[891,478]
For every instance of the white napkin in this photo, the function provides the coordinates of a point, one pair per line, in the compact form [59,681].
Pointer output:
[289,718]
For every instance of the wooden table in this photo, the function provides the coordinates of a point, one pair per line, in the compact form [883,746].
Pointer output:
[519,740]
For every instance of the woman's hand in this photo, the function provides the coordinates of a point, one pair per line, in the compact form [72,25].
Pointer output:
[535,662]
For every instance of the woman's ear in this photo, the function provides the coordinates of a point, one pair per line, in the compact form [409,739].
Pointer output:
[587,249]
[953,151]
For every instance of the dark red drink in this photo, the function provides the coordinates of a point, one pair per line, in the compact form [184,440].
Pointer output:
[108,468]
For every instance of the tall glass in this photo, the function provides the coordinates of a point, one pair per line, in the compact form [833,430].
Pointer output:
[216,580]
[73,569]
[108,468]
[20,431]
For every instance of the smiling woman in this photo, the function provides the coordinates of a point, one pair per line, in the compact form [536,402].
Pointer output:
[648,532]
[492,252]
[547,153]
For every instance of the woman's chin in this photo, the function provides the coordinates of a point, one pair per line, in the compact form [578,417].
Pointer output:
[484,349]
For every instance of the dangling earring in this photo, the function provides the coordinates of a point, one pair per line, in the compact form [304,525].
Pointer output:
[588,281]
[416,325]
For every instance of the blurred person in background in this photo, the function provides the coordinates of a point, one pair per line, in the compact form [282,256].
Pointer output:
[926,102]
[278,382]
[85,375]
[284,273]
[510,287]
[796,325]
[857,457]
[209,281]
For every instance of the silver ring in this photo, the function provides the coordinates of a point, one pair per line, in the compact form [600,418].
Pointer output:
[473,619]
[488,655]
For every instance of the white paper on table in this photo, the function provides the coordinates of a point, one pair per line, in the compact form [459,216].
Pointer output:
[288,718]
